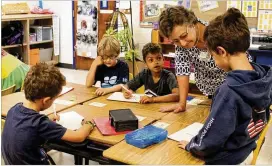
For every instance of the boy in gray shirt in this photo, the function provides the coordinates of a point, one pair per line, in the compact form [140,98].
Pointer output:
[160,84]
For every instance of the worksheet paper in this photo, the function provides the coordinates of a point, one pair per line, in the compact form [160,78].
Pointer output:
[187,133]
[118,96]
[70,120]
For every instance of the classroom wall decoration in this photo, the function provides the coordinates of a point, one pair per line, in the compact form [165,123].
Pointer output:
[87,29]
[207,5]
[250,8]
[265,4]
[235,4]
[265,20]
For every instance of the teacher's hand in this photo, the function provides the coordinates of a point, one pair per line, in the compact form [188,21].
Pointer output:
[176,108]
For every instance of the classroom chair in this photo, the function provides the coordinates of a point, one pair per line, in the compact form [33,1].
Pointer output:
[2,124]
[141,89]
[9,90]
[260,142]
[22,86]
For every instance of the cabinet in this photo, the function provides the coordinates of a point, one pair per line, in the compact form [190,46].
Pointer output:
[29,50]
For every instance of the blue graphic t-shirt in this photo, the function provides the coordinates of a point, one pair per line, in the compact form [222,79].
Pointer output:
[110,76]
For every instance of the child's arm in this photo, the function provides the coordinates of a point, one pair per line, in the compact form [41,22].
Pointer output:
[78,135]
[104,91]
[91,74]
[218,127]
[174,96]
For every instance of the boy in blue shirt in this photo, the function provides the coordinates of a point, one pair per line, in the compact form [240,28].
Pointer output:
[26,129]
[107,68]
[240,106]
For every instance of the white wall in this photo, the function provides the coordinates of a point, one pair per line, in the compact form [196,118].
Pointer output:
[64,10]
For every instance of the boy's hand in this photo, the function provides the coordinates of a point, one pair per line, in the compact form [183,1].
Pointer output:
[98,61]
[176,108]
[127,94]
[54,118]
[182,144]
[101,91]
[146,99]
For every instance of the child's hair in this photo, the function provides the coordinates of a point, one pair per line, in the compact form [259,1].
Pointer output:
[173,16]
[109,44]
[230,31]
[43,80]
[151,48]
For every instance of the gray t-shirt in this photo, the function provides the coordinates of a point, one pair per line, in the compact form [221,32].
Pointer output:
[163,87]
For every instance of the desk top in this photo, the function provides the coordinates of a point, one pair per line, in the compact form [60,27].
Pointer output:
[90,112]
[79,94]
[147,110]
[192,114]
[164,153]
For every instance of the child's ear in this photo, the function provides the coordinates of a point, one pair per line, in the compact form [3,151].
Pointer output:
[221,51]
[46,100]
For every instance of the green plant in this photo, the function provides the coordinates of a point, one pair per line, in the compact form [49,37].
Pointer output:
[123,37]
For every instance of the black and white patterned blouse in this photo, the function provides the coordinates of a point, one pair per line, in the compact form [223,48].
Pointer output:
[207,75]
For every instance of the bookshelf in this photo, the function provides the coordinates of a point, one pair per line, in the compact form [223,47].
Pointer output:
[25,49]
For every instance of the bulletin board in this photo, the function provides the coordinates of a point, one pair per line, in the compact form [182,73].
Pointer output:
[146,22]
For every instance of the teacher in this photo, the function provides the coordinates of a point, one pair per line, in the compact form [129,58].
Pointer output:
[186,31]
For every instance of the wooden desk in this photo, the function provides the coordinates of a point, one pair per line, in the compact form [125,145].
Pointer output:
[192,114]
[164,153]
[147,110]
[90,112]
[79,95]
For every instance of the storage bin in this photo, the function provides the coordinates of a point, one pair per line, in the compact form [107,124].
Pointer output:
[38,30]
[34,56]
[32,37]
[47,33]
[46,54]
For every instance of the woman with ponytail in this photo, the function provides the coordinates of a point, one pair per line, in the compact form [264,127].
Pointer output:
[240,107]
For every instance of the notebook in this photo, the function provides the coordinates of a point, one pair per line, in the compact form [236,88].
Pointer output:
[70,120]
[118,96]
[103,125]
[65,89]
[187,133]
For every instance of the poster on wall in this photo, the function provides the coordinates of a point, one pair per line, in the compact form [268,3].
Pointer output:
[87,29]
[207,5]
[265,20]
[185,3]
[235,4]
[265,4]
[250,8]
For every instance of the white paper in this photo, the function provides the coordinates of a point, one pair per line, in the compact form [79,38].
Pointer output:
[56,36]
[140,118]
[97,104]
[70,120]
[195,101]
[63,102]
[65,89]
[118,96]
[161,125]
[98,84]
[187,133]
[207,5]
